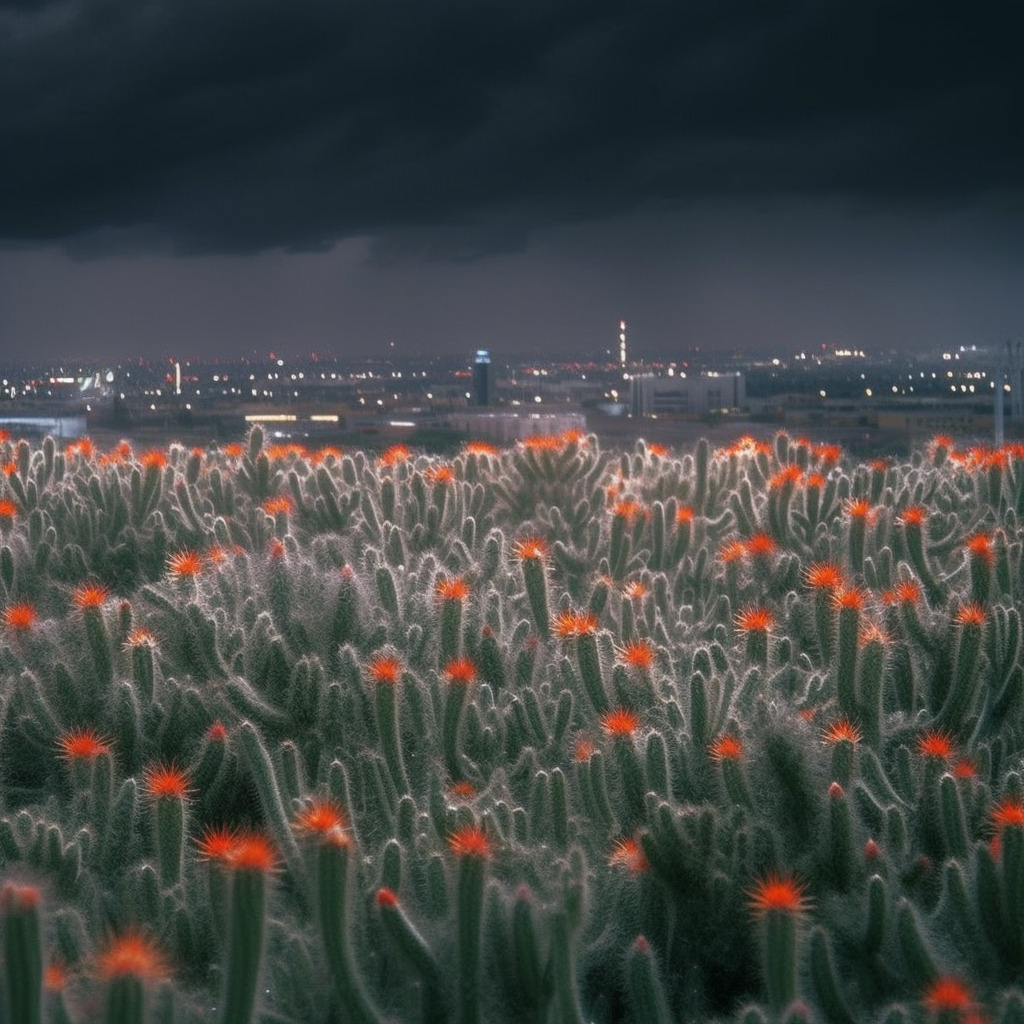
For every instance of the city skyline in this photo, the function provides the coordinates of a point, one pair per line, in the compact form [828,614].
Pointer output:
[194,181]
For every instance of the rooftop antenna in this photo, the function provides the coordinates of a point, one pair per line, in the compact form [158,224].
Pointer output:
[1009,367]
[1016,372]
[999,374]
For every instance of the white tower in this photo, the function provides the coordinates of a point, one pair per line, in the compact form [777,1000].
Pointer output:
[622,343]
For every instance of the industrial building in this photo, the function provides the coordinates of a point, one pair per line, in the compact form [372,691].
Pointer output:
[682,395]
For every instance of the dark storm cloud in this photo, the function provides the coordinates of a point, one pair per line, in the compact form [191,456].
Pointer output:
[241,125]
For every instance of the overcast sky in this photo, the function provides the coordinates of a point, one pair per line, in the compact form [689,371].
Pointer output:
[220,177]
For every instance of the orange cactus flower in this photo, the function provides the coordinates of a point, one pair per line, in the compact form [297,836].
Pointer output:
[825,576]
[814,480]
[90,595]
[750,620]
[638,654]
[185,563]
[166,781]
[971,615]
[570,624]
[470,841]
[789,475]
[828,453]
[460,671]
[965,768]
[385,668]
[82,745]
[18,897]
[281,504]
[20,617]
[935,743]
[761,545]
[620,723]
[131,955]
[462,791]
[747,445]
[628,854]
[281,452]
[947,993]
[583,749]
[859,509]
[216,555]
[453,588]
[323,819]
[989,458]
[907,592]
[55,977]
[980,546]
[328,451]
[778,893]
[733,551]
[8,510]
[387,898]
[217,843]
[684,514]
[872,633]
[628,509]
[634,591]
[481,448]
[439,475]
[394,455]
[1009,811]
[252,851]
[153,459]
[848,597]
[842,730]
[726,748]
[217,733]
[140,637]
[532,548]
[657,449]
[913,515]
[234,450]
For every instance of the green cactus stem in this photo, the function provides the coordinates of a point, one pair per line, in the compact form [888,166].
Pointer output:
[251,860]
[954,714]
[779,901]
[473,848]
[22,953]
[643,983]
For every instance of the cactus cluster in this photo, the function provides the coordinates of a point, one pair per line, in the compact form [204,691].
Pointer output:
[544,734]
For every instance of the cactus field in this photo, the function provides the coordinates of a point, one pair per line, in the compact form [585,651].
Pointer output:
[544,734]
